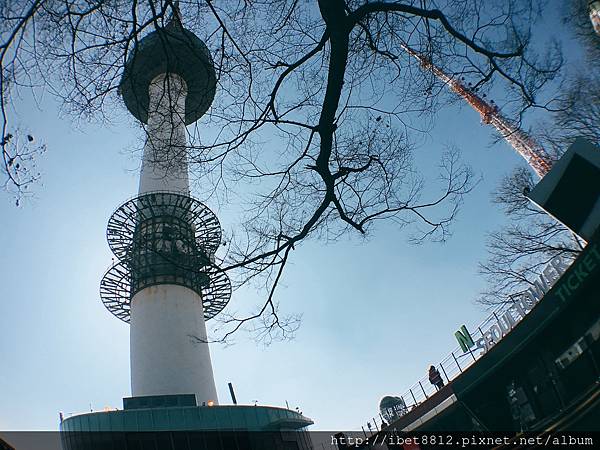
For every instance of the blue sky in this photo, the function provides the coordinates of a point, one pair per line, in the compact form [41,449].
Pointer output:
[376,312]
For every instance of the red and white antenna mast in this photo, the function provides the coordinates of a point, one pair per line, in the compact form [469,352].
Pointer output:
[525,146]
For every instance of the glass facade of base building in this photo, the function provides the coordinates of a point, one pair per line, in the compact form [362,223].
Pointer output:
[175,422]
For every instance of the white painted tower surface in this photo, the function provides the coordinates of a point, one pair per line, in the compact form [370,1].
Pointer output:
[169,353]
[165,283]
[164,163]
[168,341]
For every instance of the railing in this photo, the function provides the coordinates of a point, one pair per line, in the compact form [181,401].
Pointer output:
[449,368]
[455,363]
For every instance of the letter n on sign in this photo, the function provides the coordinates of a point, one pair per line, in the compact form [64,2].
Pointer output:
[464,338]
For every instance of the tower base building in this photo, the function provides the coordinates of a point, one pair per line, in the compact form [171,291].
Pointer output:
[175,422]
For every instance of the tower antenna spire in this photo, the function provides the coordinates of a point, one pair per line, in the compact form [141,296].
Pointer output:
[535,155]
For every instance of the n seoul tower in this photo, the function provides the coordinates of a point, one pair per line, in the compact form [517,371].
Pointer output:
[165,282]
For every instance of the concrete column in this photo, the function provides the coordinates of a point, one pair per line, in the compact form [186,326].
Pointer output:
[164,164]
[169,354]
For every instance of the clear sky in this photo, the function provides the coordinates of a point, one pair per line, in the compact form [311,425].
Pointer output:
[376,312]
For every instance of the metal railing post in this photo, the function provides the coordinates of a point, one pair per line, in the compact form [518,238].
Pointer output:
[457,363]
[444,370]
[423,390]
[472,355]
[413,396]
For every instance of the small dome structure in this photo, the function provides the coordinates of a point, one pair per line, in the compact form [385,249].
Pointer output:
[392,408]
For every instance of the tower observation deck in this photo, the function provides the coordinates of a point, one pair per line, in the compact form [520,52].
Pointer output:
[165,283]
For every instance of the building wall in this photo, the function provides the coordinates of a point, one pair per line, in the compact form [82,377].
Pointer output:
[543,373]
[549,364]
[229,427]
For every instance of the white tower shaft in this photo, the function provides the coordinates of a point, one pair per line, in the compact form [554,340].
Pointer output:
[169,349]
[164,164]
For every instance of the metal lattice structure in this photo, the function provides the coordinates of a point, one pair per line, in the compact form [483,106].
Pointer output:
[157,209]
[164,238]
[524,145]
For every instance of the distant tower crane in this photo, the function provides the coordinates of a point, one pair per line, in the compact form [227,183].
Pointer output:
[531,151]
